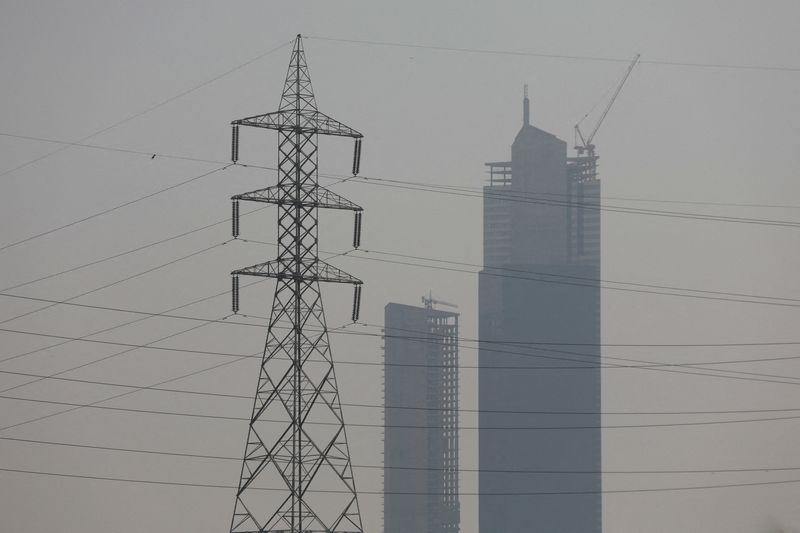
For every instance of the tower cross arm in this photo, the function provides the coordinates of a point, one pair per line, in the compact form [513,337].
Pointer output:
[304,121]
[312,270]
[312,197]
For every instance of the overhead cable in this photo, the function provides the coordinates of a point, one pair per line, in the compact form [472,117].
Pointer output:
[693,64]
[150,108]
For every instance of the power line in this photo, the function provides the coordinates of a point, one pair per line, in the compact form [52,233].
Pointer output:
[778,68]
[647,365]
[342,180]
[379,493]
[530,199]
[238,358]
[461,263]
[114,256]
[170,380]
[594,366]
[107,357]
[117,282]
[593,207]
[448,191]
[695,373]
[426,341]
[594,281]
[260,242]
[398,426]
[542,199]
[413,468]
[463,339]
[490,271]
[149,154]
[148,110]
[469,193]
[523,194]
[544,344]
[112,343]
[692,372]
[539,195]
[85,338]
[406,407]
[111,209]
[95,403]
[458,192]
[475,50]
[127,252]
[451,190]
[193,373]
[132,347]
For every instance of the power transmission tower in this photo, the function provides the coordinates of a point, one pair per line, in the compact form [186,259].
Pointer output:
[296,473]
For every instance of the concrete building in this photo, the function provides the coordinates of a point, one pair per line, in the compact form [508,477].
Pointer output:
[421,420]
[539,290]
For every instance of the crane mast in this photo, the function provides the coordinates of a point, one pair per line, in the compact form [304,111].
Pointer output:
[586,143]
[583,188]
[429,301]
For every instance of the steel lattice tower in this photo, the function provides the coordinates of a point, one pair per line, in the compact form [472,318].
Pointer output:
[296,473]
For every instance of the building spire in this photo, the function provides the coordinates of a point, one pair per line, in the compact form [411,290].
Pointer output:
[526,108]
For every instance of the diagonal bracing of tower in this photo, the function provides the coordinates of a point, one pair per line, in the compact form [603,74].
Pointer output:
[296,474]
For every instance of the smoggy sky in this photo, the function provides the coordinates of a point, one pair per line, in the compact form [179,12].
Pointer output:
[681,131]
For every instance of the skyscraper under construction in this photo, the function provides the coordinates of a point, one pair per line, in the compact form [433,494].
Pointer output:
[421,419]
[538,291]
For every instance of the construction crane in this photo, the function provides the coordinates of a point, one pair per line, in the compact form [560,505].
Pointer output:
[585,144]
[429,301]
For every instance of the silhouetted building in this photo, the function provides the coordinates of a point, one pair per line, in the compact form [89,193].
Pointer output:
[539,306]
[421,420]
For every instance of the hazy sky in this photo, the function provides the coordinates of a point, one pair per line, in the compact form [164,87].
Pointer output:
[678,132]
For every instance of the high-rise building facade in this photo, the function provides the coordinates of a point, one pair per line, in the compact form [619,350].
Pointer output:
[421,420]
[539,322]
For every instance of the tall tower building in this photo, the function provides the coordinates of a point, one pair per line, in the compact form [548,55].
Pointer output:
[421,420]
[540,234]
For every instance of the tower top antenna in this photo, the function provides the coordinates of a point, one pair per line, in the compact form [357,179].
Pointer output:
[526,107]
